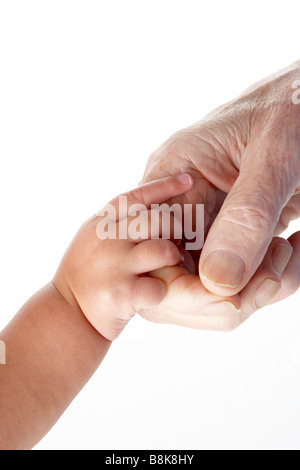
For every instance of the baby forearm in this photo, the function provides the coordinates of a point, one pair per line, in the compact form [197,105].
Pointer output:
[51,352]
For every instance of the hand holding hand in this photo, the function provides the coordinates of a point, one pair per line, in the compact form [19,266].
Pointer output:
[244,159]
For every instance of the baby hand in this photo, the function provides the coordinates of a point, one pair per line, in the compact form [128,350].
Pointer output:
[189,303]
[106,278]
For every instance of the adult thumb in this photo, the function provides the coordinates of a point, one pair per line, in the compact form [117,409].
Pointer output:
[240,235]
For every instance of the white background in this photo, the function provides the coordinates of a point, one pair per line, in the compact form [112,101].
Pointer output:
[88,89]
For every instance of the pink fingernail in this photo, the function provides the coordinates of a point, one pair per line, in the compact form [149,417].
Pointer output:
[185,179]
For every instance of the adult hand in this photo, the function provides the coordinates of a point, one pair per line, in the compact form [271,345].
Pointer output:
[189,303]
[244,158]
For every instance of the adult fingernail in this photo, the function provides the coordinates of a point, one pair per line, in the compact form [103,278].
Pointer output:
[185,179]
[223,307]
[265,292]
[223,268]
[281,256]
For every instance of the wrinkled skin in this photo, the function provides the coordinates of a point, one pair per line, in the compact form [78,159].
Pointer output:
[244,158]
